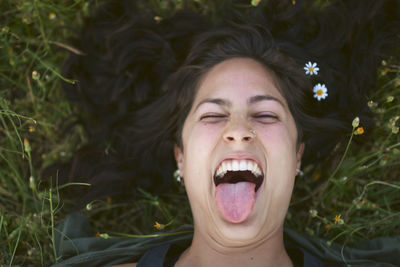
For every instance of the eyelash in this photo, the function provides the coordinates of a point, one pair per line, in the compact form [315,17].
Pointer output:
[212,118]
[264,118]
[265,115]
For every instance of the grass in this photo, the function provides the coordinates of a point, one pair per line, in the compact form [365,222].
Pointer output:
[354,198]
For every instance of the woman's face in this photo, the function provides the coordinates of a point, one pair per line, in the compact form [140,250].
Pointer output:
[223,162]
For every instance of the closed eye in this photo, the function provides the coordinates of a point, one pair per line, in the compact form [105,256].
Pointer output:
[265,118]
[213,117]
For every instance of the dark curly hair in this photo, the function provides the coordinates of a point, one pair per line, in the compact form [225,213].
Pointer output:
[138,77]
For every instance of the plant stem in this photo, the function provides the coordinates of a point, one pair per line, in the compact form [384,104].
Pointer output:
[344,155]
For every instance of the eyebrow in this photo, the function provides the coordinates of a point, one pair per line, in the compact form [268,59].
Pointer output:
[218,101]
[259,98]
[252,100]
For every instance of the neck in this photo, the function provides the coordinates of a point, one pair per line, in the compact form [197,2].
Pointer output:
[206,252]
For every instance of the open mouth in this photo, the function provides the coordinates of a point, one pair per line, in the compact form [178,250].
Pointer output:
[236,184]
[235,171]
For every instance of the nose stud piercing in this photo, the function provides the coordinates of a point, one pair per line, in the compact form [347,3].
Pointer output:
[253,132]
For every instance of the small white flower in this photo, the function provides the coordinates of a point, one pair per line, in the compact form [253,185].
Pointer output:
[320,91]
[311,68]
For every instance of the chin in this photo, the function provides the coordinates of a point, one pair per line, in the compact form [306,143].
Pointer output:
[251,232]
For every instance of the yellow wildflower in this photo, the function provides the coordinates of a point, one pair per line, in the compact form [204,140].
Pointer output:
[31,129]
[52,15]
[359,131]
[158,226]
[338,219]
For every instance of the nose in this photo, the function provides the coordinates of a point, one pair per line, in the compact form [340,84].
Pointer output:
[238,132]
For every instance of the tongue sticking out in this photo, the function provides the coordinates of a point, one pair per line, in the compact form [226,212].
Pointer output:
[235,201]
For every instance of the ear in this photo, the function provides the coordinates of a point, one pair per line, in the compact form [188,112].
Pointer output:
[179,158]
[299,155]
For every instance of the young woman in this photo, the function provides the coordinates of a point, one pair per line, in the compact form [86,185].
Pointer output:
[238,110]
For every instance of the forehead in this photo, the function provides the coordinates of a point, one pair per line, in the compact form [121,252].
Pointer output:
[240,77]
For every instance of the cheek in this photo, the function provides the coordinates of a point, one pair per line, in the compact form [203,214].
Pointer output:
[199,143]
[280,149]
[278,140]
[203,136]
[281,153]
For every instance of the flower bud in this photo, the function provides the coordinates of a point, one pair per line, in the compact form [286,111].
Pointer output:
[356,122]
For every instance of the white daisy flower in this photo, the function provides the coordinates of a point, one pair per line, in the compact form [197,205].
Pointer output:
[311,68]
[320,91]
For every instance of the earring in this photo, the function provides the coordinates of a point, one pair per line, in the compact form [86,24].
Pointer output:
[177,175]
[299,172]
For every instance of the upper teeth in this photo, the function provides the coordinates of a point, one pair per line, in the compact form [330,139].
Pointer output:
[238,165]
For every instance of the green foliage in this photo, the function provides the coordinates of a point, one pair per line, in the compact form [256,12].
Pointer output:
[33,113]
[360,188]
